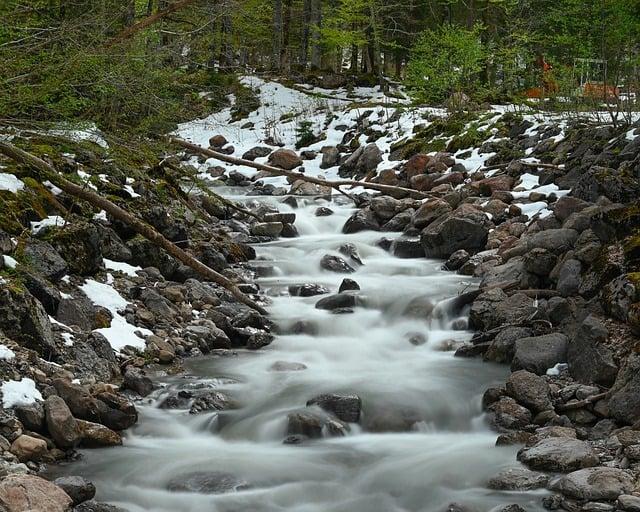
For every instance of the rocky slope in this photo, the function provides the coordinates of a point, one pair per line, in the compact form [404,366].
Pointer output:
[543,213]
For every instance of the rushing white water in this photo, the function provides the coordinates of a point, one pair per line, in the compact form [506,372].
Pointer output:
[446,456]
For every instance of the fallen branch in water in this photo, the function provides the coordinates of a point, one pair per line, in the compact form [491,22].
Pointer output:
[122,215]
[275,171]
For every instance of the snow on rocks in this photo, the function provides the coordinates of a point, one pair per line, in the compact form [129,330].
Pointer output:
[19,392]
[10,182]
[120,333]
[119,266]
[6,354]
[51,221]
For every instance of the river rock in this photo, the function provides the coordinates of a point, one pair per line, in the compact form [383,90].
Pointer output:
[337,301]
[502,347]
[450,233]
[518,479]
[629,503]
[348,285]
[529,390]
[79,489]
[624,404]
[207,482]
[539,353]
[270,229]
[507,413]
[304,423]
[590,361]
[494,308]
[60,422]
[28,493]
[601,483]
[286,159]
[307,290]
[28,448]
[287,366]
[385,207]
[96,506]
[137,381]
[95,435]
[559,454]
[323,211]
[344,407]
[362,220]
[335,264]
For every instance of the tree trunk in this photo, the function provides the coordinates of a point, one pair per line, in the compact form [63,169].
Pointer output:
[276,63]
[286,28]
[316,26]
[306,32]
[122,215]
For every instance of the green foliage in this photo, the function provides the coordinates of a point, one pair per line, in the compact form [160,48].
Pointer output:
[304,134]
[445,60]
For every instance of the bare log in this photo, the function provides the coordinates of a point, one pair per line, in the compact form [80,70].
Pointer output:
[579,404]
[275,171]
[122,215]
[532,165]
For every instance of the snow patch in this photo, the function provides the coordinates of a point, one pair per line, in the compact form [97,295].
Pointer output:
[10,182]
[120,266]
[52,220]
[9,261]
[120,333]
[6,354]
[19,392]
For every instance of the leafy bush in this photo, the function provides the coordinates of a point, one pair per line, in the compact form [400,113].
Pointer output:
[445,60]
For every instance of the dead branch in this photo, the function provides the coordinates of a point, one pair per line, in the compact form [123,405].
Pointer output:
[122,215]
[149,20]
[275,171]
[581,403]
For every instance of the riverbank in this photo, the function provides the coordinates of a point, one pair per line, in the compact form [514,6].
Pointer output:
[538,210]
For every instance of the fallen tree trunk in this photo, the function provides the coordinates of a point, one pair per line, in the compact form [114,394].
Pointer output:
[122,215]
[149,20]
[275,171]
[532,165]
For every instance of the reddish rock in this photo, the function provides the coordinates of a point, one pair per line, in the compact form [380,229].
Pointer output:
[217,141]
[417,164]
[422,182]
[20,493]
[488,186]
[285,159]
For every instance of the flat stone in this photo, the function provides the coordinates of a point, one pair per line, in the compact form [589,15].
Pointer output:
[559,454]
[601,483]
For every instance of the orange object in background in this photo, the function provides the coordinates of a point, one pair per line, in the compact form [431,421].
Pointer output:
[596,90]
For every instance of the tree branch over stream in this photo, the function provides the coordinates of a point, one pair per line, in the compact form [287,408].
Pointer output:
[122,215]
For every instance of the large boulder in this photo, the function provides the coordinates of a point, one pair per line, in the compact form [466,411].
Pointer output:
[590,361]
[79,489]
[559,454]
[334,263]
[539,353]
[600,483]
[466,230]
[45,259]
[60,422]
[624,404]
[361,220]
[502,347]
[529,390]
[430,211]
[286,159]
[344,407]
[28,448]
[22,493]
[518,479]
[494,308]
[385,207]
[80,246]
[611,183]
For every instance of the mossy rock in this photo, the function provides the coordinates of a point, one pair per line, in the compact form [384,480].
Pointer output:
[79,245]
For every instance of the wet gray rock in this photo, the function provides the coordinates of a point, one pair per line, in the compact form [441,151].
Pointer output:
[450,233]
[624,404]
[529,390]
[207,482]
[502,347]
[518,479]
[457,259]
[539,353]
[600,483]
[569,278]
[335,264]
[270,229]
[590,361]
[506,413]
[79,489]
[559,454]
[45,259]
[256,152]
[61,424]
[362,220]
[96,506]
[385,207]
[304,423]
[307,290]
[137,381]
[629,503]
[407,248]
[494,308]
[287,366]
[323,211]
[338,301]
[345,407]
